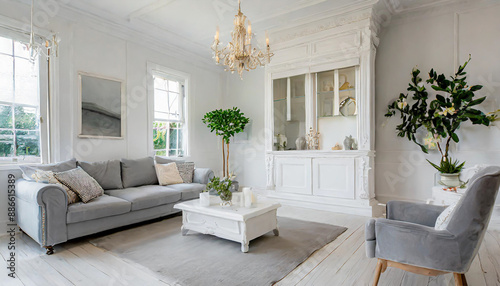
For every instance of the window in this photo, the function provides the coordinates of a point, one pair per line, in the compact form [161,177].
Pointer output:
[20,130]
[169,126]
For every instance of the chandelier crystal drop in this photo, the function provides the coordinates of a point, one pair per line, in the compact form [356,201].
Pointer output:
[239,55]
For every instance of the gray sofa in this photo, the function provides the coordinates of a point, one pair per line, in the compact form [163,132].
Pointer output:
[44,214]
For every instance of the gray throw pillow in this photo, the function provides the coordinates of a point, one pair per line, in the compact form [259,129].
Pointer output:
[166,160]
[29,170]
[138,172]
[106,173]
[186,170]
[81,183]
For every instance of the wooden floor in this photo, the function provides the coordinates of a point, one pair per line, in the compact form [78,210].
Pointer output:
[342,262]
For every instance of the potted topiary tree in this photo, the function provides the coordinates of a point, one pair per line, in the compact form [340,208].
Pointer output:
[226,123]
[441,117]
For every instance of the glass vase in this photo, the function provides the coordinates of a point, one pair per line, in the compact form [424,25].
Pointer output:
[226,199]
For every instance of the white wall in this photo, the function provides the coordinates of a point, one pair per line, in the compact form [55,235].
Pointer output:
[248,158]
[85,49]
[427,39]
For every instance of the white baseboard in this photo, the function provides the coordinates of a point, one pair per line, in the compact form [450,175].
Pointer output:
[358,210]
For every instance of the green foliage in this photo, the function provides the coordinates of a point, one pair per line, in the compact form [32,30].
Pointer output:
[221,186]
[26,132]
[454,104]
[226,123]
[448,166]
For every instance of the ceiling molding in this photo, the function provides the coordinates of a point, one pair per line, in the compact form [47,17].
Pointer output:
[123,29]
[148,9]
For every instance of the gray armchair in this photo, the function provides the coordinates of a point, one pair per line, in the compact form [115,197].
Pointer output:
[408,240]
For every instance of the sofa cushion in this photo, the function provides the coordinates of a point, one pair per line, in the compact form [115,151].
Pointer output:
[81,183]
[106,173]
[138,172]
[29,170]
[100,207]
[147,196]
[166,160]
[188,191]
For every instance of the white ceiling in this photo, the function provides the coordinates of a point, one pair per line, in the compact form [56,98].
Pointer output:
[191,24]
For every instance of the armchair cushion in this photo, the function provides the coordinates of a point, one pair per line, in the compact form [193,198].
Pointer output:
[417,245]
[444,218]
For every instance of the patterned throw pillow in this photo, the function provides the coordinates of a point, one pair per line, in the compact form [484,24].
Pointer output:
[444,218]
[186,170]
[48,177]
[168,174]
[81,183]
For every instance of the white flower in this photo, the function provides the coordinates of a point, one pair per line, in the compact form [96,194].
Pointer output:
[402,104]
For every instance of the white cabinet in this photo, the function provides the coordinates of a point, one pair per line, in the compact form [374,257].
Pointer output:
[322,77]
[333,178]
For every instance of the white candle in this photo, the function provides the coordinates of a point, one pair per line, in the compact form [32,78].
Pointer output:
[249,28]
[217,33]
[247,193]
[267,39]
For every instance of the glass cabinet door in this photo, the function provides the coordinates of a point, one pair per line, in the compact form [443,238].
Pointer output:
[336,109]
[289,113]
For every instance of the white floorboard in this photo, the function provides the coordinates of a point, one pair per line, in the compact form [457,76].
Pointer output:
[342,262]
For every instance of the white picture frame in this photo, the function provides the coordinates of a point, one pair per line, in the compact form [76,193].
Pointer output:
[101,107]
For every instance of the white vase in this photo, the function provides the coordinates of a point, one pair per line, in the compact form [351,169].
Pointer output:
[204,199]
[451,180]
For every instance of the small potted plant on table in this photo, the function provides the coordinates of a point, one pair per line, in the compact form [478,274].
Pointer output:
[223,189]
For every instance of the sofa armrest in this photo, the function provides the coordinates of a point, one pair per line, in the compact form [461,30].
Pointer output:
[202,175]
[418,213]
[41,211]
[417,245]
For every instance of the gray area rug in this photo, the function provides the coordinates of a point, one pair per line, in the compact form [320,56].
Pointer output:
[198,259]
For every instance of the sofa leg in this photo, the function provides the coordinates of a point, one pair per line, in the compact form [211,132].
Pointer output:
[460,279]
[50,249]
[381,267]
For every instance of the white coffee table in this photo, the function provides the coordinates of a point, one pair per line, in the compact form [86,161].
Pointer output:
[238,224]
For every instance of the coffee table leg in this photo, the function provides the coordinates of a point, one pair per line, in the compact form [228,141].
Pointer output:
[276,232]
[244,247]
[184,231]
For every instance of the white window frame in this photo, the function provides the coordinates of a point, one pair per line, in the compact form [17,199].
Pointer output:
[8,162]
[167,73]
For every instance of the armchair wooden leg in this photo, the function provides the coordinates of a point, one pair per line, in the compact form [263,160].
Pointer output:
[460,279]
[381,267]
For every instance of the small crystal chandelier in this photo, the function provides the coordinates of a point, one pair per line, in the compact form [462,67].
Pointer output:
[239,54]
[49,48]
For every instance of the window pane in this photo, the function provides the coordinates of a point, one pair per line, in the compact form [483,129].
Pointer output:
[27,143]
[172,153]
[173,86]
[173,138]
[5,46]
[161,104]
[6,143]
[161,153]
[26,82]
[160,83]
[5,116]
[21,50]
[159,135]
[26,118]
[6,78]
[173,104]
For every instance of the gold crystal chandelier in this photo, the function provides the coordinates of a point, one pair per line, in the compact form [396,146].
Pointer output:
[239,54]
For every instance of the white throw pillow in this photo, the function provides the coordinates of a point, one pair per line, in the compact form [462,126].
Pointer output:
[168,174]
[444,218]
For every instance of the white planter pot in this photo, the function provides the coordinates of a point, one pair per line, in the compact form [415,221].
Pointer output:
[205,199]
[451,180]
